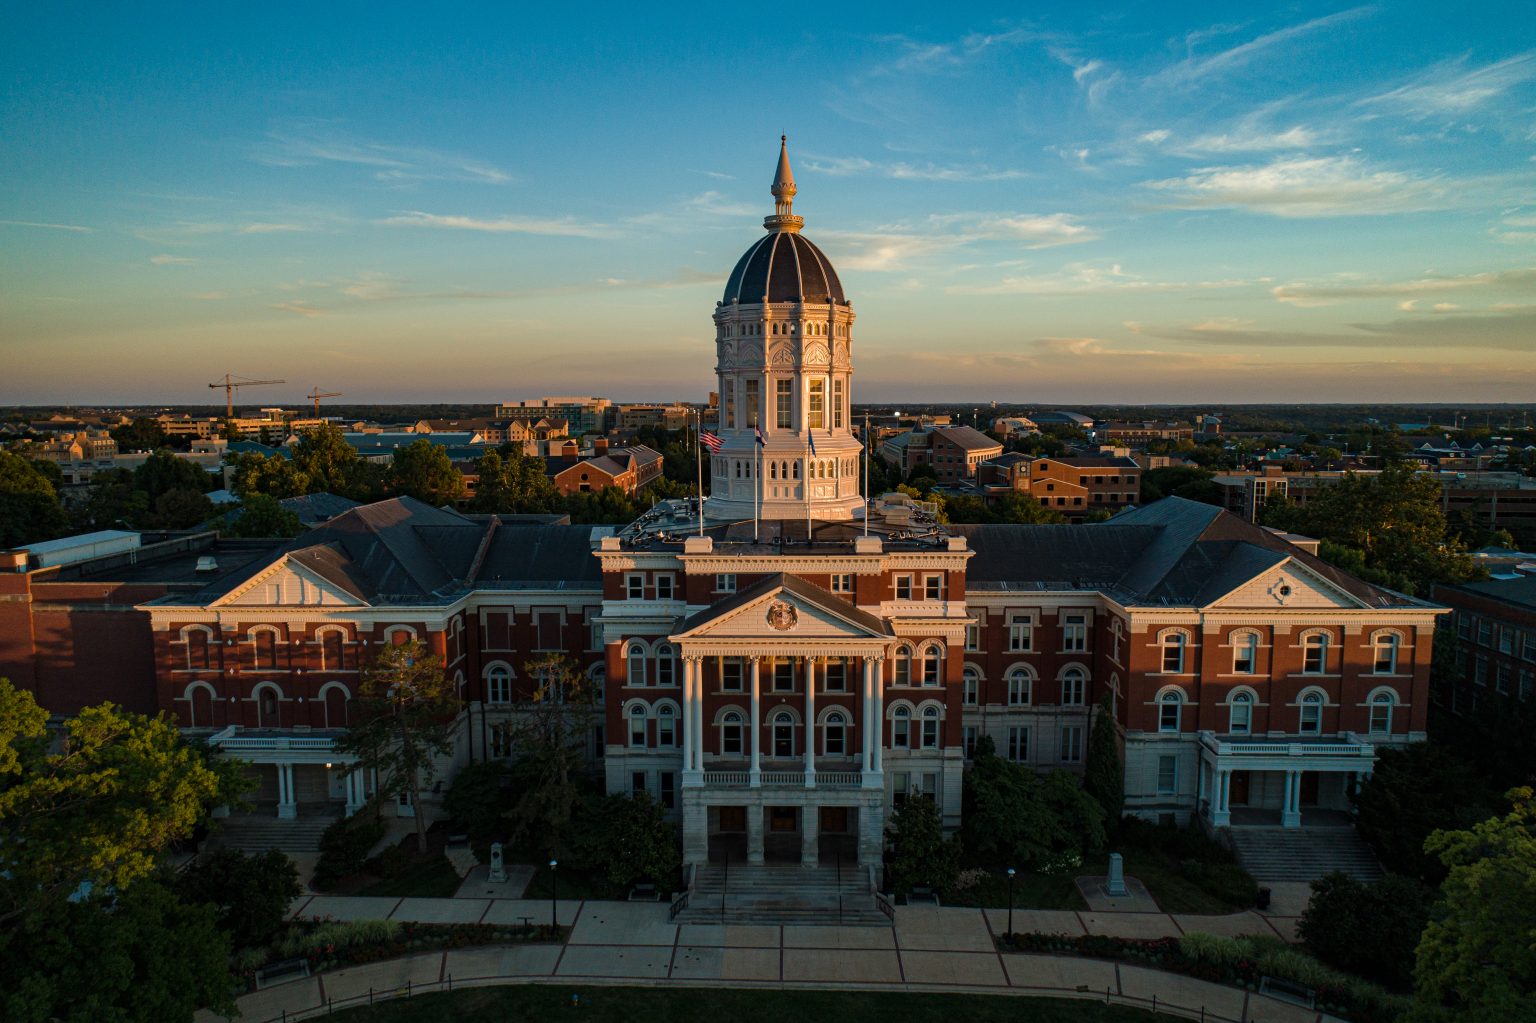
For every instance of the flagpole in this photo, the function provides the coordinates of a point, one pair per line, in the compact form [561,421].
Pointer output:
[866,474]
[757,479]
[698,456]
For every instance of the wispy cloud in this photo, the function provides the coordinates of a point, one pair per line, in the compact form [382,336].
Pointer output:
[850,166]
[299,308]
[1037,231]
[48,227]
[271,228]
[716,204]
[1194,68]
[1517,281]
[1452,88]
[1331,186]
[308,143]
[558,227]
[166,260]
[921,57]
[1088,279]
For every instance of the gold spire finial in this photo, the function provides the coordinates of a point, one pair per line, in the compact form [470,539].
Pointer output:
[783,190]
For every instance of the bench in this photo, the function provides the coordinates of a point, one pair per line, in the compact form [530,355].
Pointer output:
[1288,991]
[458,841]
[644,893]
[277,973]
[923,896]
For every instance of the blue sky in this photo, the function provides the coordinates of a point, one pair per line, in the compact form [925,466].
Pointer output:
[1032,203]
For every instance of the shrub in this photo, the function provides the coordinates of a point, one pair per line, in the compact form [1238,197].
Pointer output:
[921,857]
[252,893]
[344,846]
[1368,929]
[1215,949]
[338,936]
[478,799]
[968,879]
[390,861]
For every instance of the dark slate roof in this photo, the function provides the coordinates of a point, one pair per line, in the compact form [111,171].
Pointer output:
[784,267]
[967,437]
[551,556]
[313,509]
[811,594]
[1520,592]
[1051,557]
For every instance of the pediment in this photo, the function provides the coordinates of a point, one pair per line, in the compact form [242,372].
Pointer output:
[781,614]
[288,583]
[1287,585]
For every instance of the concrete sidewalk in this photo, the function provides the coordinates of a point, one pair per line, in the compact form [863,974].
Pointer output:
[929,949]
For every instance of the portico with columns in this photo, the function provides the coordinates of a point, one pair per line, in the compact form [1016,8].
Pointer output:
[1269,781]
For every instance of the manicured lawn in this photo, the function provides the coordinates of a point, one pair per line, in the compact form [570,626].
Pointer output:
[675,1005]
[1159,872]
[572,885]
[1030,891]
[425,876]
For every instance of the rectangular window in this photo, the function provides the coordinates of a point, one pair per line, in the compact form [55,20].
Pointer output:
[973,638]
[903,587]
[900,786]
[1018,744]
[1245,654]
[637,731]
[968,689]
[501,741]
[837,404]
[1021,633]
[1506,640]
[783,675]
[816,413]
[1167,776]
[785,396]
[1501,676]
[634,586]
[548,624]
[1074,633]
[968,740]
[730,674]
[933,587]
[836,680]
[1528,647]
[1072,690]
[666,730]
[725,583]
[669,790]
[1484,631]
[636,783]
[728,404]
[594,629]
[1072,744]
[664,587]
[842,583]
[1463,625]
[752,403]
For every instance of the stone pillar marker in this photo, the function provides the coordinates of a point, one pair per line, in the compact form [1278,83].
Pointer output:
[1115,885]
[498,873]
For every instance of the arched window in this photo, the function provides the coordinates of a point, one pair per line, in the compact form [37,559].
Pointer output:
[930,728]
[636,668]
[903,666]
[666,665]
[932,657]
[1314,654]
[1240,713]
[970,686]
[901,728]
[1245,653]
[782,726]
[666,726]
[268,697]
[637,725]
[198,641]
[1173,653]
[1073,683]
[1382,703]
[1020,684]
[834,734]
[199,696]
[1385,647]
[498,684]
[336,700]
[1170,710]
[597,678]
[730,734]
[264,649]
[1311,716]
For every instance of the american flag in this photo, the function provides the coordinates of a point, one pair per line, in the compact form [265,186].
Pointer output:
[711,441]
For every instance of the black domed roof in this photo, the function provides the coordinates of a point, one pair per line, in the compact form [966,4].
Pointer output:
[784,267]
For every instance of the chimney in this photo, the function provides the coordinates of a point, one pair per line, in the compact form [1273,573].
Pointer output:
[600,446]
[569,449]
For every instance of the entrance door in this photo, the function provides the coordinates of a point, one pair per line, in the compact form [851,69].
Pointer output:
[782,818]
[1239,793]
[834,820]
[403,807]
[1309,788]
[733,818]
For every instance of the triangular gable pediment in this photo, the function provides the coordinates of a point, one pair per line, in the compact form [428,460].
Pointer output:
[1289,584]
[782,613]
[287,583]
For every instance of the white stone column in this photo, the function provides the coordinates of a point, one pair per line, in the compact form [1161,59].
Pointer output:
[287,805]
[354,792]
[1290,817]
[810,835]
[755,777]
[698,713]
[1221,816]
[810,722]
[877,739]
[754,832]
[867,724]
[688,735]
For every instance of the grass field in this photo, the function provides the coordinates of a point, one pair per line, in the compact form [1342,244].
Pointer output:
[539,1003]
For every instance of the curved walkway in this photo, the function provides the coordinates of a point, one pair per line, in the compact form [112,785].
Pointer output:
[928,949]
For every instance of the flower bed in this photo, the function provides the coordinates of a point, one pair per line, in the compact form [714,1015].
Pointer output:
[1242,962]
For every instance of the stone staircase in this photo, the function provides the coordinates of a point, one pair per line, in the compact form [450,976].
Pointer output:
[253,834]
[781,893]
[1303,854]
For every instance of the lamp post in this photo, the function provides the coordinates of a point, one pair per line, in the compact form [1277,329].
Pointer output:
[1010,905]
[554,897]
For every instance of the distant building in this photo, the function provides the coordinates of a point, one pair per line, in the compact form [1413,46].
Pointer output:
[953,451]
[659,417]
[1141,434]
[1009,427]
[1059,418]
[631,469]
[1077,486]
[584,414]
[1492,498]
[1494,625]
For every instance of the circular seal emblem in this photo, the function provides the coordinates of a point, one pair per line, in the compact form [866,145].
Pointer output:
[782,616]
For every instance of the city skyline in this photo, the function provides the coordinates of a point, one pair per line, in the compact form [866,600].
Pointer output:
[1319,202]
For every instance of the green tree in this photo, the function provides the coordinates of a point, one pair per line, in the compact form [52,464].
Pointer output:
[513,482]
[1176,481]
[1366,929]
[142,955]
[404,717]
[631,841]
[162,472]
[113,503]
[1411,793]
[252,893]
[143,434]
[272,475]
[921,857]
[424,471]
[1103,776]
[1477,960]
[328,463]
[1017,507]
[1016,816]
[29,506]
[96,802]
[261,515]
[479,798]
[549,736]
[179,509]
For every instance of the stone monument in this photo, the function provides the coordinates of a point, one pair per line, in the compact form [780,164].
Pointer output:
[1116,883]
[498,869]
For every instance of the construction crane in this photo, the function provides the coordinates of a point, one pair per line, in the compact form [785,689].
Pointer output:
[230,384]
[316,394]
